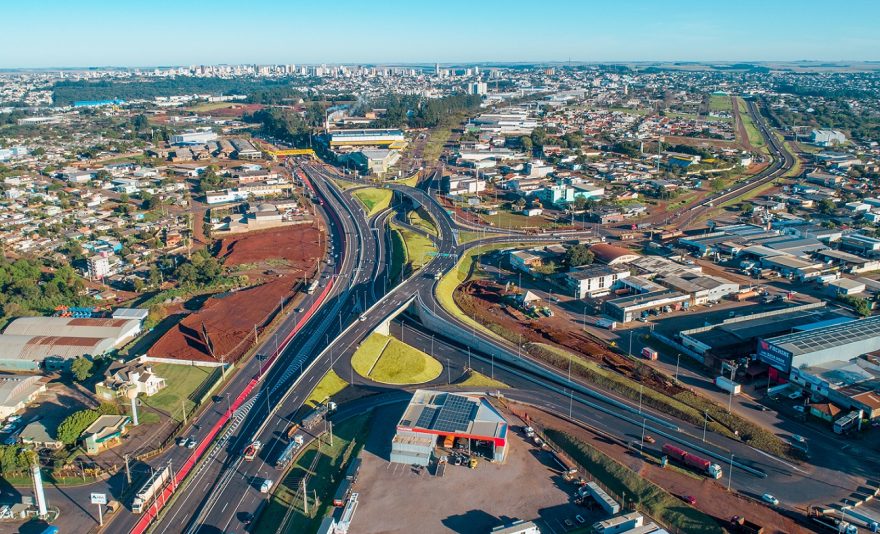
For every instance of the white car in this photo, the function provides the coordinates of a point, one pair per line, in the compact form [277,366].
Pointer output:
[770,499]
[266,486]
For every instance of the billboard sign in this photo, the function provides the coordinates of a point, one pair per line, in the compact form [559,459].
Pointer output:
[99,498]
[774,356]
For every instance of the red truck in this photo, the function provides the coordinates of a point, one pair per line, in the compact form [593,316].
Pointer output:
[692,460]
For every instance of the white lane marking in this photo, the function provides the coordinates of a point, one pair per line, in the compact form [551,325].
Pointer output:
[780,460]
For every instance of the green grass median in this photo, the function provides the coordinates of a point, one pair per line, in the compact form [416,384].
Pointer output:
[375,199]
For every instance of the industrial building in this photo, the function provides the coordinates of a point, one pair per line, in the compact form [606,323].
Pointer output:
[118,330]
[193,138]
[372,161]
[17,391]
[626,309]
[29,343]
[817,346]
[435,418]
[612,254]
[390,138]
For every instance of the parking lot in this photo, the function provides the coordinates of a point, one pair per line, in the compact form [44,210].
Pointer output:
[400,498]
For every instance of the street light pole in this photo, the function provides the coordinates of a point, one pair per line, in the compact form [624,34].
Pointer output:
[730,395]
[730,475]
[677,361]
[705,423]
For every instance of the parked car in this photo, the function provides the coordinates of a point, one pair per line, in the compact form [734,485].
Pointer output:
[690,499]
[650,439]
[580,519]
[798,408]
[770,499]
[191,443]
[181,442]
[795,395]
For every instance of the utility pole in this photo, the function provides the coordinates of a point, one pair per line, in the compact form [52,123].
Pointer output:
[183,411]
[448,372]
[677,361]
[127,471]
[305,498]
[730,475]
[705,423]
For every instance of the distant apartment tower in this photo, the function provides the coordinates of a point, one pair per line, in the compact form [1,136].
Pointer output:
[478,88]
[99,266]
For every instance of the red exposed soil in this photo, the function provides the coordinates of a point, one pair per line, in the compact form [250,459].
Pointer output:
[296,244]
[236,110]
[483,299]
[712,497]
[229,318]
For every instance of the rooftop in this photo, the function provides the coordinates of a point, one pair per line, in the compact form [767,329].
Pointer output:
[828,337]
[451,413]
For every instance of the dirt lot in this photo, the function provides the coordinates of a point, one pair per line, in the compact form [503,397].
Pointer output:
[298,245]
[229,320]
[712,497]
[276,260]
[395,498]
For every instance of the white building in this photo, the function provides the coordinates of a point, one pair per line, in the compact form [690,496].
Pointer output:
[594,280]
[17,391]
[193,138]
[827,137]
[478,88]
[99,266]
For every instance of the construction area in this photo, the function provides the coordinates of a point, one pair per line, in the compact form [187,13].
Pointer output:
[489,303]
[278,262]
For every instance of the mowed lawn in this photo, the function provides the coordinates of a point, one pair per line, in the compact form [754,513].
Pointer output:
[388,360]
[182,381]
[329,386]
[374,199]
[720,103]
[505,219]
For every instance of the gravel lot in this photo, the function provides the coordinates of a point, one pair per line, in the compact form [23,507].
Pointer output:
[395,498]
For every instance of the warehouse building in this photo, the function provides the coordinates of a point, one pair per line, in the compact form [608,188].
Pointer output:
[391,138]
[118,330]
[817,346]
[29,353]
[436,418]
[626,309]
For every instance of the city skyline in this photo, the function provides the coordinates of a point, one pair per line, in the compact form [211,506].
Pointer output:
[460,33]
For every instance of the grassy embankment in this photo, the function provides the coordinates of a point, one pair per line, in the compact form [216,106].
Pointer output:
[409,250]
[388,360]
[621,480]
[375,199]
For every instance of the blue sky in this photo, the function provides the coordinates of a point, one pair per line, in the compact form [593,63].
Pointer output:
[50,33]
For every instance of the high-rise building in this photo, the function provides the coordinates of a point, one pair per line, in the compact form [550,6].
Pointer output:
[99,266]
[478,88]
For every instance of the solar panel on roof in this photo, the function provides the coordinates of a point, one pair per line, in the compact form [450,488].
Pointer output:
[426,417]
[454,415]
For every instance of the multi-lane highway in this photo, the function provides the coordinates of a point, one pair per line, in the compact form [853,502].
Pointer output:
[222,488]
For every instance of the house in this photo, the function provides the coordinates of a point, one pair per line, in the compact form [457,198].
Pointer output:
[37,434]
[122,377]
[825,411]
[457,184]
[104,433]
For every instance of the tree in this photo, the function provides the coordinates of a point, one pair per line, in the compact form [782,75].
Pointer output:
[526,143]
[580,202]
[141,122]
[520,204]
[81,368]
[74,424]
[826,206]
[578,255]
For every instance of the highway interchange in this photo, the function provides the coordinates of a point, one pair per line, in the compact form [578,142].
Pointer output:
[222,489]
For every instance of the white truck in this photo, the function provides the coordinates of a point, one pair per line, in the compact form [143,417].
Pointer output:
[728,385]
